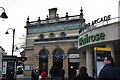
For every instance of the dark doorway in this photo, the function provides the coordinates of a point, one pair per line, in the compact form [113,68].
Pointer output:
[73,61]
[10,71]
[43,65]
[9,67]
[43,60]
[58,63]
[58,60]
[73,66]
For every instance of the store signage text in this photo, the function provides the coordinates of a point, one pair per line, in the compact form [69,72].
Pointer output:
[92,38]
[99,20]
[74,56]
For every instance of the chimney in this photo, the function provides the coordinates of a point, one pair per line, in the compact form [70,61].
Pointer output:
[52,13]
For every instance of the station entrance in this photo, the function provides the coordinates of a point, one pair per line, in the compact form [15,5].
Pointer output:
[58,64]
[58,54]
[43,60]
[73,62]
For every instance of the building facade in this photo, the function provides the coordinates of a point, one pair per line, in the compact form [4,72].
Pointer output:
[68,42]
[54,42]
[106,39]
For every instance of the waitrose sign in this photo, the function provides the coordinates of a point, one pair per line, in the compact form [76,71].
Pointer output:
[91,38]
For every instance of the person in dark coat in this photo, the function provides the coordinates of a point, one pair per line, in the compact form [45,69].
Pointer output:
[83,75]
[52,72]
[35,74]
[110,71]
[62,73]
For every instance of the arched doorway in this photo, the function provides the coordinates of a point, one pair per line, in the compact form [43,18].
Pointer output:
[43,60]
[58,60]
[73,62]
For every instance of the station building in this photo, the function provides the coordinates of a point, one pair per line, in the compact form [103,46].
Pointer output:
[68,42]
[54,42]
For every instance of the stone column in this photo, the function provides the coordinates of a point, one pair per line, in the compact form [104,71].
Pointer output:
[50,59]
[89,61]
[65,66]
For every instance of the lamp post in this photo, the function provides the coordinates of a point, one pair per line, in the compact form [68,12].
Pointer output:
[3,15]
[13,38]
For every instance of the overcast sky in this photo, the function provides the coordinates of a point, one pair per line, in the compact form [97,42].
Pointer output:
[19,10]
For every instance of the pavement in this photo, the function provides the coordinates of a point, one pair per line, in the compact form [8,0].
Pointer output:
[22,77]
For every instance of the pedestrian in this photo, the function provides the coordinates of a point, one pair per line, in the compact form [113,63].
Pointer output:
[51,73]
[62,72]
[110,71]
[43,75]
[35,74]
[77,72]
[32,74]
[83,75]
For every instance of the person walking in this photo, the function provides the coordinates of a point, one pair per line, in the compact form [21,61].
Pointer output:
[43,75]
[62,73]
[110,71]
[34,74]
[51,73]
[83,75]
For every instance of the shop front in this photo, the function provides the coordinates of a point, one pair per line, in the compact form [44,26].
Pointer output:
[105,37]
[73,65]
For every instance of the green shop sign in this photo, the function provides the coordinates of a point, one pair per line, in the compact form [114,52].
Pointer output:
[92,38]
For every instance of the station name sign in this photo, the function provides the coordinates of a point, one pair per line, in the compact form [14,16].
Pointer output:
[90,25]
[91,38]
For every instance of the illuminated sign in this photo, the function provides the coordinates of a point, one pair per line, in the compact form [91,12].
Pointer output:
[101,53]
[92,38]
[99,20]
[101,49]
[74,56]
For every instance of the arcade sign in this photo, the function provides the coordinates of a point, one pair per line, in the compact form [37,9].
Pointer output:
[90,25]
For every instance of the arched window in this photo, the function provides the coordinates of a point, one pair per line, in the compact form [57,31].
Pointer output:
[41,36]
[52,35]
[73,50]
[62,35]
